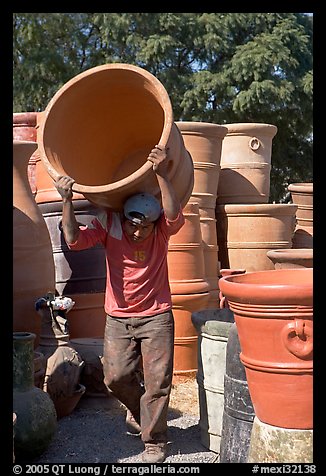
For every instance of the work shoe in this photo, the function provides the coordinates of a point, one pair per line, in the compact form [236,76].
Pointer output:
[154,453]
[133,427]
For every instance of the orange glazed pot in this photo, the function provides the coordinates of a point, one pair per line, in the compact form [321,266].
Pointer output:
[273,312]
[100,127]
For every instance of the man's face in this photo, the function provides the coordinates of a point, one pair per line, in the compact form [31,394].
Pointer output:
[137,232]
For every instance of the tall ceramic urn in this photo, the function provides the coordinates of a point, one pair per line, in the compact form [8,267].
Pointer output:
[33,265]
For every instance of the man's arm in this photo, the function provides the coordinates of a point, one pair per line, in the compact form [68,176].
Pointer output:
[69,223]
[170,201]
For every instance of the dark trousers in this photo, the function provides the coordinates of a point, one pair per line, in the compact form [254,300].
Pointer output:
[148,342]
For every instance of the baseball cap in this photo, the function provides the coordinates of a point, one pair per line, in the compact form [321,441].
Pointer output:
[142,207]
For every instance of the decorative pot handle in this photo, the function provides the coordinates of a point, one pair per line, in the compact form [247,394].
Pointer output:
[297,337]
[254,143]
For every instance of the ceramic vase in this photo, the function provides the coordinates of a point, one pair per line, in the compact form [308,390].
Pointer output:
[33,265]
[273,311]
[36,416]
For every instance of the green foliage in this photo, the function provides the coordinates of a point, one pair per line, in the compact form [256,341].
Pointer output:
[216,67]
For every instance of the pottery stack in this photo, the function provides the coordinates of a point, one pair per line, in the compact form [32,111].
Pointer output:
[192,253]
[189,287]
[204,142]
[247,225]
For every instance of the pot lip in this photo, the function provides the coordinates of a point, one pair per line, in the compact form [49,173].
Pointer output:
[282,286]
[24,119]
[292,253]
[24,336]
[199,128]
[255,208]
[142,171]
[251,128]
[301,187]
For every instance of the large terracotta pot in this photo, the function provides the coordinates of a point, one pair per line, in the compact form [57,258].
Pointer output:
[185,256]
[100,127]
[246,163]
[33,265]
[246,232]
[302,196]
[46,191]
[273,311]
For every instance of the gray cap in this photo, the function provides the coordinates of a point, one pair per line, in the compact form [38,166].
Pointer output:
[142,207]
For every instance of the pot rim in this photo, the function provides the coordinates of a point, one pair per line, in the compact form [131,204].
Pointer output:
[277,286]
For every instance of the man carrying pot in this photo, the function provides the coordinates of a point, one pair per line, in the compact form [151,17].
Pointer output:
[139,327]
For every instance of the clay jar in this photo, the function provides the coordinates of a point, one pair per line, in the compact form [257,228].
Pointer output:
[36,416]
[99,129]
[246,163]
[33,265]
[273,311]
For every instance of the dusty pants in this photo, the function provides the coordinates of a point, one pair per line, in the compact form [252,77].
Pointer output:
[127,343]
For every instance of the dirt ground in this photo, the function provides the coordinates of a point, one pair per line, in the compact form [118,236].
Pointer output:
[184,395]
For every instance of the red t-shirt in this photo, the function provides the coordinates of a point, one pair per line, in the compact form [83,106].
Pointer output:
[137,281]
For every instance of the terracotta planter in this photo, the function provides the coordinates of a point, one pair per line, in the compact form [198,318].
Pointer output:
[185,343]
[291,258]
[185,256]
[302,196]
[273,311]
[33,265]
[203,140]
[100,127]
[246,232]
[246,163]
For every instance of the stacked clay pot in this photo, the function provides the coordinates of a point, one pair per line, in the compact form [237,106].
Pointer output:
[189,287]
[246,163]
[204,142]
[302,196]
[247,225]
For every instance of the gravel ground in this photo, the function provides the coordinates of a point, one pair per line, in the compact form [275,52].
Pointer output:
[95,433]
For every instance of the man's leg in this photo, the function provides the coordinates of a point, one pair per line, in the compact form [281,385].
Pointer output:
[121,362]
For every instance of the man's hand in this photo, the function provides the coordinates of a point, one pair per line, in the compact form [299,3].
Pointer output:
[64,187]
[158,157]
